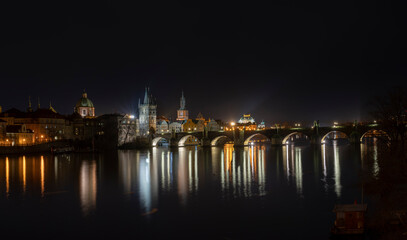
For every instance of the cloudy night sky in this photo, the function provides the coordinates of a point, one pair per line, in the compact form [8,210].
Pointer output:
[284,61]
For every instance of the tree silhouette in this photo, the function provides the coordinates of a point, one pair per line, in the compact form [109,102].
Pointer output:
[390,112]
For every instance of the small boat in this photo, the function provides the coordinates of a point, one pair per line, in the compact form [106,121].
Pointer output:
[350,218]
[57,150]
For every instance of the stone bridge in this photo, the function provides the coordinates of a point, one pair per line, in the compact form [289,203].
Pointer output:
[296,136]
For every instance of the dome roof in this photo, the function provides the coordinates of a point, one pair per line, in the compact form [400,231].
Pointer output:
[84,101]
[246,119]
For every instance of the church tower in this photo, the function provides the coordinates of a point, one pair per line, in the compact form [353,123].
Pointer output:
[182,113]
[84,106]
[147,113]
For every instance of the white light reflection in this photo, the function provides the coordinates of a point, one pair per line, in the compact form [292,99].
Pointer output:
[242,171]
[369,150]
[298,170]
[324,167]
[337,170]
[182,181]
[188,181]
[145,184]
[376,167]
[292,164]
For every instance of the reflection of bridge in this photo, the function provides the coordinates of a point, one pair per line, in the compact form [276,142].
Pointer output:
[297,136]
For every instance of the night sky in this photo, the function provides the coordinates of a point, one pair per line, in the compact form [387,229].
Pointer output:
[284,61]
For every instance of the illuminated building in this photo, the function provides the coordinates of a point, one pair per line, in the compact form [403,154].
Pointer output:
[194,125]
[162,126]
[189,125]
[261,126]
[3,125]
[246,119]
[175,127]
[128,129]
[147,113]
[19,135]
[182,113]
[46,123]
[212,125]
[84,106]
[245,123]
[116,129]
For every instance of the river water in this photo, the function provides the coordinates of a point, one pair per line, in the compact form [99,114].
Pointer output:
[191,192]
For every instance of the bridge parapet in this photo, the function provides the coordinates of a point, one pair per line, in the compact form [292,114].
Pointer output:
[275,136]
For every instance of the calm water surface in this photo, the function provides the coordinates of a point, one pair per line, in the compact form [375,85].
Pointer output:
[196,193]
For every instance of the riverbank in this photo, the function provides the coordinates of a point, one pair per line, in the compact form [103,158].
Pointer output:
[386,187]
[37,148]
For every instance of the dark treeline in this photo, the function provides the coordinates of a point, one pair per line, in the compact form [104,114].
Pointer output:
[390,112]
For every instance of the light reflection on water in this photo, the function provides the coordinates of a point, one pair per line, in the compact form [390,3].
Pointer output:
[292,163]
[242,171]
[88,186]
[165,179]
[369,157]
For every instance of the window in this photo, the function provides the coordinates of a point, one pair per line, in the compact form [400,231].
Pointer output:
[83,112]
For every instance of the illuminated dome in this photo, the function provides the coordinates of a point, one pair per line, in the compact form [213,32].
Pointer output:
[84,101]
[85,106]
[246,119]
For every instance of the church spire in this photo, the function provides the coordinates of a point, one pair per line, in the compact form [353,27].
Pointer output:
[146,97]
[50,107]
[29,109]
[84,94]
[39,106]
[182,102]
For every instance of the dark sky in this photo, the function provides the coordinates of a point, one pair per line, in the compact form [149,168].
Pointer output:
[281,61]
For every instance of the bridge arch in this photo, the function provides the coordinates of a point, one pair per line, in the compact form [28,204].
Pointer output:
[215,141]
[285,140]
[156,140]
[246,142]
[335,134]
[185,142]
[380,134]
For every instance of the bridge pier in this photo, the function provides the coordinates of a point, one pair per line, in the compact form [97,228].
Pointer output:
[315,140]
[354,137]
[238,138]
[205,142]
[276,140]
[173,143]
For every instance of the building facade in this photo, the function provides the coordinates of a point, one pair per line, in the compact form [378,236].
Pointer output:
[212,125]
[175,127]
[147,114]
[162,126]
